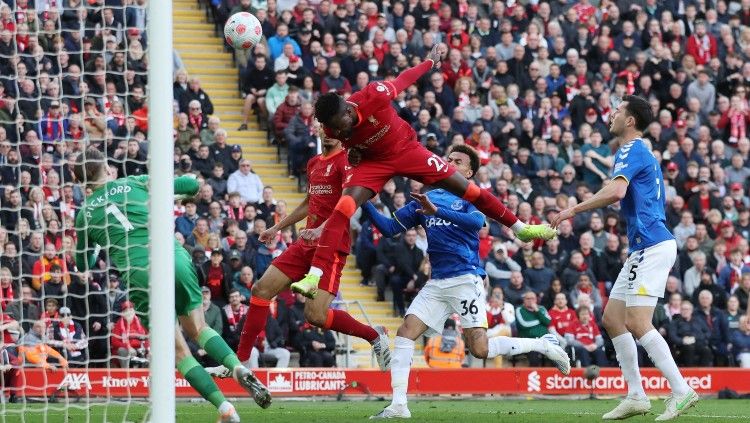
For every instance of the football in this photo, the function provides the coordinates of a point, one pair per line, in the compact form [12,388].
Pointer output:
[243,31]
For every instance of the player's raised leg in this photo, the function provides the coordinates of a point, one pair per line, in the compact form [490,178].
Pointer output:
[318,311]
[491,206]
[201,381]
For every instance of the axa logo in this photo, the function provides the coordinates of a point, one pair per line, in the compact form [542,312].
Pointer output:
[534,382]
[280,381]
[75,382]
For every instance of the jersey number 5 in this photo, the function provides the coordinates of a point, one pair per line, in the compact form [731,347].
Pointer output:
[115,211]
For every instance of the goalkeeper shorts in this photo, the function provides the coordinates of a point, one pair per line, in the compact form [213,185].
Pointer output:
[187,290]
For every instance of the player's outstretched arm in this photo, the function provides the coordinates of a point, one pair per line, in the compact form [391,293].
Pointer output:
[388,227]
[611,193]
[299,213]
[411,75]
[471,220]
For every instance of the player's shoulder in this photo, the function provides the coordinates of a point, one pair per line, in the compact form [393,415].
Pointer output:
[448,199]
[374,90]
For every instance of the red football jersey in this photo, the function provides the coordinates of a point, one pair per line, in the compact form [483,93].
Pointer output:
[380,132]
[325,177]
[585,334]
[563,321]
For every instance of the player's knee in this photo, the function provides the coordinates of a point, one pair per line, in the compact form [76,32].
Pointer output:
[472,192]
[346,205]
[315,315]
[611,323]
[259,290]
[637,327]
[479,350]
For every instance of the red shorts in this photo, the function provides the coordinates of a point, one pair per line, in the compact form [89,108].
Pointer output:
[295,263]
[414,162]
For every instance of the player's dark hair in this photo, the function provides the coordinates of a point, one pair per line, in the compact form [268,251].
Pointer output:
[640,110]
[473,156]
[327,106]
[89,165]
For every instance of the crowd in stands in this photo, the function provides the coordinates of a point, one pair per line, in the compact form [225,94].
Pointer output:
[529,85]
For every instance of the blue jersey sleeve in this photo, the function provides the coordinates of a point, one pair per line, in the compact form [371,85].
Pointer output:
[470,220]
[404,218]
[627,162]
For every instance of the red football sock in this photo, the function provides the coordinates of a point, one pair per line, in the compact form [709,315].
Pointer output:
[255,323]
[341,321]
[334,230]
[489,205]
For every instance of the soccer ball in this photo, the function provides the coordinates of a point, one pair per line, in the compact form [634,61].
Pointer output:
[243,31]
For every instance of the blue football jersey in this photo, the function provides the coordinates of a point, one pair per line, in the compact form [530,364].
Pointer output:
[644,202]
[453,250]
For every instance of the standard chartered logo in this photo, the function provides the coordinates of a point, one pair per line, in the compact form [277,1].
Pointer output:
[534,382]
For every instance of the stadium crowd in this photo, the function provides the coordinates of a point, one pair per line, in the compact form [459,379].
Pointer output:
[528,84]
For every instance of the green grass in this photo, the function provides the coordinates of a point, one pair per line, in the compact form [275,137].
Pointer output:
[453,411]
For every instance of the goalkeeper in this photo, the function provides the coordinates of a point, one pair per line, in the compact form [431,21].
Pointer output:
[115,215]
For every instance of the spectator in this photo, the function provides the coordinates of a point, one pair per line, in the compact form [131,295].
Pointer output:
[277,93]
[26,311]
[586,340]
[196,116]
[211,312]
[42,272]
[187,221]
[743,291]
[246,182]
[563,318]
[730,276]
[500,314]
[234,313]
[692,277]
[244,281]
[217,278]
[689,336]
[69,337]
[88,304]
[584,286]
[538,276]
[447,350]
[195,92]
[499,267]
[301,137]
[717,324]
[516,290]
[571,274]
[130,338]
[407,260]
[255,85]
[319,346]
[532,321]
[285,112]
[741,343]
[36,352]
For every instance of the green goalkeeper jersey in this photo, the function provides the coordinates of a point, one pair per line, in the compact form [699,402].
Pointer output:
[115,217]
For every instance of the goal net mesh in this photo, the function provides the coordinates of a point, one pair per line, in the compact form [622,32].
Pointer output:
[73,76]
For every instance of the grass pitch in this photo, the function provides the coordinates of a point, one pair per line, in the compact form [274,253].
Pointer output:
[453,411]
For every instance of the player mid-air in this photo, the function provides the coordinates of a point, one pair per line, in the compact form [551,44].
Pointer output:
[388,146]
[325,173]
[456,284]
[638,184]
[115,216]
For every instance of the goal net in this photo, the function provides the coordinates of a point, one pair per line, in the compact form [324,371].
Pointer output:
[74,75]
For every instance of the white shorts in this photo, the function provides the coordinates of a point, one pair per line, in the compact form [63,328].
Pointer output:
[643,278]
[440,298]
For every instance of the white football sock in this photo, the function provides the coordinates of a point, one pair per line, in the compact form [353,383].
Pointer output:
[627,356]
[315,271]
[505,345]
[225,407]
[400,366]
[658,350]
[517,226]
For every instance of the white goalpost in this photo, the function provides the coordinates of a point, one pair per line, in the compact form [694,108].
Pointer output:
[161,222]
